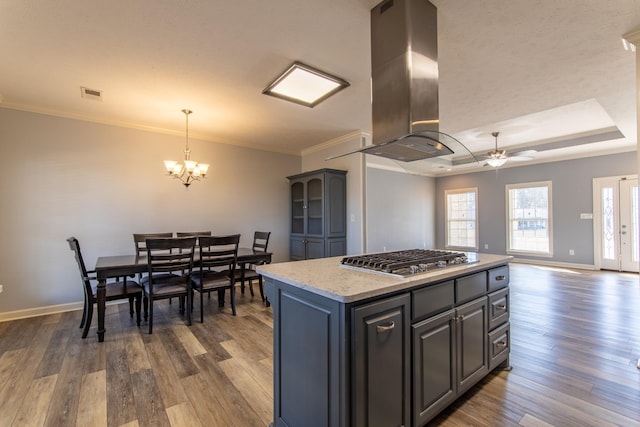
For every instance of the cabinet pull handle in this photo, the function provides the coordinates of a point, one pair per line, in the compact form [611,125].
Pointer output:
[501,344]
[500,278]
[385,328]
[501,307]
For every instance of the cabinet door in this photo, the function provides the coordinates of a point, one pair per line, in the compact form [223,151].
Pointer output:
[308,357]
[298,207]
[297,248]
[336,205]
[472,343]
[434,365]
[382,363]
[315,248]
[336,247]
[315,206]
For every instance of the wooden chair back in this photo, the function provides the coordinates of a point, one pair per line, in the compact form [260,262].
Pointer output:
[74,245]
[170,255]
[139,239]
[219,254]
[261,240]
[195,234]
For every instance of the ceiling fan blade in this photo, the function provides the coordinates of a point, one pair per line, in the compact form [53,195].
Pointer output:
[522,156]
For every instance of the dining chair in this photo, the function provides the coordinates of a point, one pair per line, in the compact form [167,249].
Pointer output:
[260,244]
[216,270]
[120,289]
[169,269]
[140,240]
[193,234]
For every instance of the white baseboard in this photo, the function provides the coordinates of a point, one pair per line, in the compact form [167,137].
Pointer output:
[554,264]
[50,309]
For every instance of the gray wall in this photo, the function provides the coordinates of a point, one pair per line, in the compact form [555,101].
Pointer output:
[400,210]
[572,195]
[62,177]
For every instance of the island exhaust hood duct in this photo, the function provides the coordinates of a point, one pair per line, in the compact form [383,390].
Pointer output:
[404,71]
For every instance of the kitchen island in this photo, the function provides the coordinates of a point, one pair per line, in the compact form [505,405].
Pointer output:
[359,348]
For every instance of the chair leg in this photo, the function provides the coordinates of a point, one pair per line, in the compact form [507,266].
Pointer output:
[87,322]
[261,287]
[131,306]
[251,287]
[138,309]
[145,301]
[202,305]
[150,315]
[189,303]
[84,311]
[233,300]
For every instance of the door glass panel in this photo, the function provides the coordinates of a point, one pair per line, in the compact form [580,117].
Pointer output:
[634,223]
[608,224]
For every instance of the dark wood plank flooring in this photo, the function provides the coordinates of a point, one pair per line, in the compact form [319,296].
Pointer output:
[575,344]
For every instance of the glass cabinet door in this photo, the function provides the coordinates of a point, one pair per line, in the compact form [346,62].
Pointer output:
[297,208]
[314,206]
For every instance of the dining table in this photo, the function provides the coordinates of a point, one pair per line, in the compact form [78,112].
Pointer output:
[114,266]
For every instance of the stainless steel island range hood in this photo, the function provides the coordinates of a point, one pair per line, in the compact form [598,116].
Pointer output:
[404,71]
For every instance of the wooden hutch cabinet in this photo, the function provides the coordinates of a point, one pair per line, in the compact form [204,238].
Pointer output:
[318,214]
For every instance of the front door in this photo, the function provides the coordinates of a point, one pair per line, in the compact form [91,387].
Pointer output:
[616,223]
[629,225]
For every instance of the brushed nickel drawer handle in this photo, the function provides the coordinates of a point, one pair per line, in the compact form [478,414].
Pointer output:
[500,278]
[501,344]
[385,328]
[502,307]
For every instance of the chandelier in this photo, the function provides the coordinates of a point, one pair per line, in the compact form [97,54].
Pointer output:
[191,170]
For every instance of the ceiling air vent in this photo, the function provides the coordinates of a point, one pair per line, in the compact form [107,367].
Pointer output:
[94,94]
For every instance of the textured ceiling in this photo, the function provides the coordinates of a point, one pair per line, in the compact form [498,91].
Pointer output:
[538,72]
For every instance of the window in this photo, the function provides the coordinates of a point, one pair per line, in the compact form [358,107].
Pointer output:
[461,208]
[529,218]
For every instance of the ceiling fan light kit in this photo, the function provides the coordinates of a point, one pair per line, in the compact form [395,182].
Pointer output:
[497,157]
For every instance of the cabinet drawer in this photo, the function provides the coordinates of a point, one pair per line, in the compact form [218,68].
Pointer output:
[470,287]
[499,345]
[498,308]
[432,300]
[498,278]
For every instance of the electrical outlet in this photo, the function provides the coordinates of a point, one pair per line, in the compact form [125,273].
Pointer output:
[572,252]
[1,288]
[486,246]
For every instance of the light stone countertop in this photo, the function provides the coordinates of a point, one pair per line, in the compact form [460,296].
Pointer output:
[326,277]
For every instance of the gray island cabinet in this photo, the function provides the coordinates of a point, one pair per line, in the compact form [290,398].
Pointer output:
[355,348]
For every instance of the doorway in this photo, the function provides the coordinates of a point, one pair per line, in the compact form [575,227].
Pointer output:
[615,225]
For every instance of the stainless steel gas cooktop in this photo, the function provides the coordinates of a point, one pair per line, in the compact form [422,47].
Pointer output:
[408,262]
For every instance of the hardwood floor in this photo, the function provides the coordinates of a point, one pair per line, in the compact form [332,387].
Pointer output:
[575,341]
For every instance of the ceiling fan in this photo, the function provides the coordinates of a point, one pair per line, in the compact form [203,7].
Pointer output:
[497,158]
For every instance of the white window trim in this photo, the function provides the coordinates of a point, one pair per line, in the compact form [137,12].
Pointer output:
[508,218]
[446,216]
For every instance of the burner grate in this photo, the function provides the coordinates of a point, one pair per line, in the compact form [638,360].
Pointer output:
[405,261]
